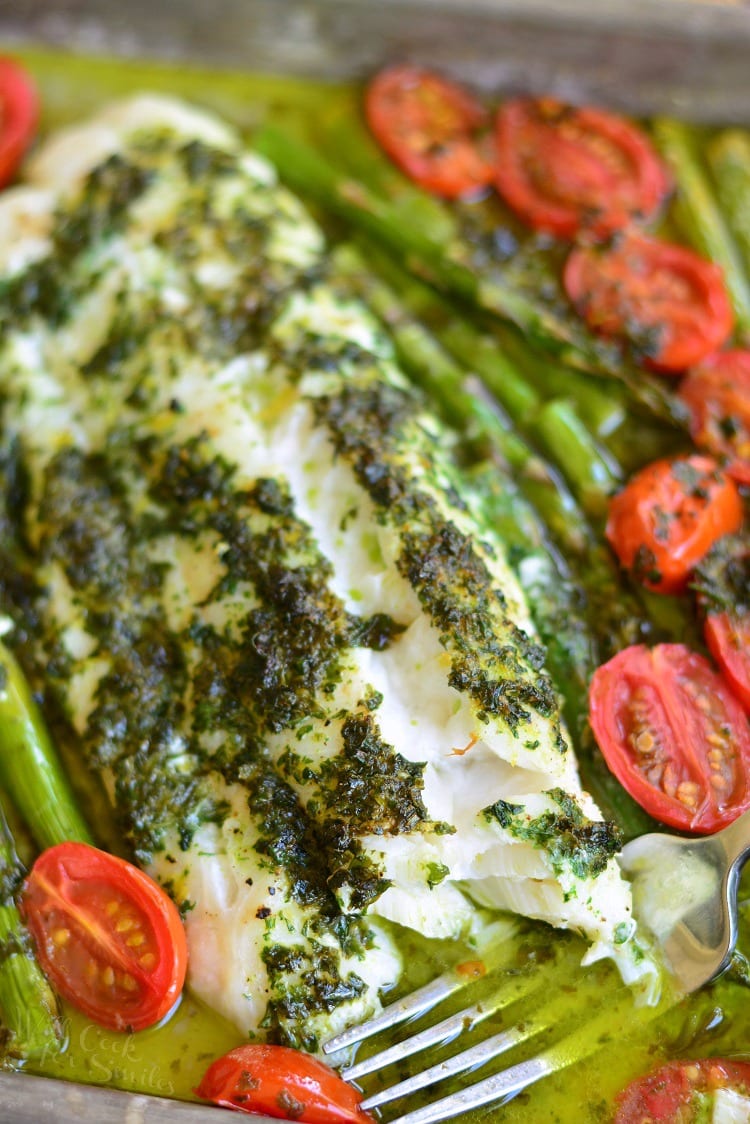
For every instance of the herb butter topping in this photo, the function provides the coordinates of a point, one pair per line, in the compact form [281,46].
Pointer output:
[242,566]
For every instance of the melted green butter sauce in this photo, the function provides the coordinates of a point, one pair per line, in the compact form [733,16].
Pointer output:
[169,1060]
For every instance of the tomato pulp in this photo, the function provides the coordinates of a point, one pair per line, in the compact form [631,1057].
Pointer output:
[677,1093]
[673,735]
[109,939]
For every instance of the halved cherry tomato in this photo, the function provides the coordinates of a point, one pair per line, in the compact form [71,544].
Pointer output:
[668,303]
[728,638]
[674,735]
[717,393]
[433,129]
[668,517]
[108,938]
[722,582]
[564,169]
[676,1093]
[19,111]
[279,1081]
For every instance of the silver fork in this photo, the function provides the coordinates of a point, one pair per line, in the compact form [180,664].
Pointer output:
[684,893]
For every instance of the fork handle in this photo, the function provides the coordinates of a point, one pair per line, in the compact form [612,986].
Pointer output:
[735,840]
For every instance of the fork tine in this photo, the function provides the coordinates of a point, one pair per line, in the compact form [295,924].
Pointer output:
[467,1059]
[416,1003]
[502,1085]
[446,1030]
[489,951]
[574,1047]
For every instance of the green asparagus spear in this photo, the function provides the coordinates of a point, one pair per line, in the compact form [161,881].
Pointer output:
[428,364]
[729,160]
[30,770]
[305,170]
[343,139]
[554,423]
[27,1004]
[563,436]
[347,144]
[556,600]
[558,607]
[698,215]
[601,403]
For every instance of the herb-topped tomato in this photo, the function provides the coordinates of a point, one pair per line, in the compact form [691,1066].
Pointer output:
[717,393]
[673,735]
[670,305]
[108,938]
[279,1081]
[19,110]
[687,1092]
[564,170]
[432,128]
[722,582]
[669,516]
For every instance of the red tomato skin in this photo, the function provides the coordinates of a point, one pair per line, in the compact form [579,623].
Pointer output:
[429,127]
[728,640]
[19,114]
[282,1082]
[717,394]
[668,302]
[659,1096]
[655,513]
[60,892]
[555,168]
[678,699]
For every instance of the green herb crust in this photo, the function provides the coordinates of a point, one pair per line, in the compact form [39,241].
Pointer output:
[573,841]
[184,611]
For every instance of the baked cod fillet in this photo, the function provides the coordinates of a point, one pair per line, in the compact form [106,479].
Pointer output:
[297,659]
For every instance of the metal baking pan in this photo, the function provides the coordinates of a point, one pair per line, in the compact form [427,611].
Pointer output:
[685,57]
[640,55]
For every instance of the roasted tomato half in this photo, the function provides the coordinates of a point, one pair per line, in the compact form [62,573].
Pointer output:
[722,582]
[667,303]
[279,1081]
[109,939]
[717,394]
[669,516]
[433,129]
[565,169]
[684,1092]
[674,736]
[19,111]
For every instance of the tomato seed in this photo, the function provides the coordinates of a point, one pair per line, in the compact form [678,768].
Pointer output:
[128,982]
[108,976]
[687,793]
[125,925]
[111,908]
[148,960]
[669,780]
[61,937]
[135,941]
[643,742]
